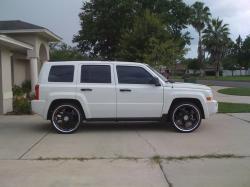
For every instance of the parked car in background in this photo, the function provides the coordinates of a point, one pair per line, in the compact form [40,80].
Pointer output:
[69,93]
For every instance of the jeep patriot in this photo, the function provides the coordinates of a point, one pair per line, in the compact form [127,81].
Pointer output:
[70,93]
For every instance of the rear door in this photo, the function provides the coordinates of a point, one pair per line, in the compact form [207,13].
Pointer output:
[97,86]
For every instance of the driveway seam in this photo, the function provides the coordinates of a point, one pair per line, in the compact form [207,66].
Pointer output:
[155,158]
[165,175]
[147,142]
[238,118]
[33,145]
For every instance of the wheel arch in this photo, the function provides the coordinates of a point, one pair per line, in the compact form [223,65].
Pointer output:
[56,102]
[192,100]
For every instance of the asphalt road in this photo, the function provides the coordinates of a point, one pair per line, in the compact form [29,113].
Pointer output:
[221,83]
[225,83]
[140,155]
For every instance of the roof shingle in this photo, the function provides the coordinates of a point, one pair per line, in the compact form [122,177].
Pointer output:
[17,25]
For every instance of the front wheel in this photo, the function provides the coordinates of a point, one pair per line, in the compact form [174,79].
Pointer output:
[66,118]
[185,117]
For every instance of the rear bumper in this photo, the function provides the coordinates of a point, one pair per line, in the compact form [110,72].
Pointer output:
[212,107]
[38,107]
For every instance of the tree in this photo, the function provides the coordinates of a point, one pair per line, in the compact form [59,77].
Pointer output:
[166,53]
[246,53]
[233,57]
[216,39]
[191,63]
[176,15]
[230,63]
[232,54]
[102,24]
[149,41]
[64,52]
[200,17]
[238,51]
[105,23]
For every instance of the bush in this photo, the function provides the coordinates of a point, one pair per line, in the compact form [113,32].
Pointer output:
[26,87]
[22,98]
[21,105]
[18,91]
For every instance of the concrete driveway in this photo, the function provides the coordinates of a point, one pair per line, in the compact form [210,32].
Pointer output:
[217,154]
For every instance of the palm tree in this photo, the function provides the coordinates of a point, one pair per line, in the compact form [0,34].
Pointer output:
[200,16]
[216,39]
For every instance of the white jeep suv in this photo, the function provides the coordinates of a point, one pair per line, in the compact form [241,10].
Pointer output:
[70,93]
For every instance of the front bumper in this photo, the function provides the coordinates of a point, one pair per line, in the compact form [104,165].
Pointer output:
[212,107]
[38,107]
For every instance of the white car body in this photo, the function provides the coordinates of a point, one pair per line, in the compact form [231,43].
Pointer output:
[107,101]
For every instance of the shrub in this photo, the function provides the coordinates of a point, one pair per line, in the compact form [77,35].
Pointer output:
[21,105]
[26,87]
[18,91]
[22,98]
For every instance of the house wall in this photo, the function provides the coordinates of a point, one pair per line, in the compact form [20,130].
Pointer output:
[21,71]
[35,41]
[37,56]
[6,94]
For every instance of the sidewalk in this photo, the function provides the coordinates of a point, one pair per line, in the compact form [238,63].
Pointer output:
[229,98]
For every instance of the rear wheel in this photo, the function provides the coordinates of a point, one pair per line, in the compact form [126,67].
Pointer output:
[185,116]
[66,118]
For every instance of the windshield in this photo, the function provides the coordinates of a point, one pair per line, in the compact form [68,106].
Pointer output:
[156,72]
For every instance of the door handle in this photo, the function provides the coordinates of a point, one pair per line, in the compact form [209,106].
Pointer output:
[125,90]
[86,89]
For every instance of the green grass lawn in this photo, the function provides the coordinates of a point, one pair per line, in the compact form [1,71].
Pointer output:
[230,78]
[233,107]
[235,91]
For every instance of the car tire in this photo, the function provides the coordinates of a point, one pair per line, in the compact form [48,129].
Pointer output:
[185,117]
[66,118]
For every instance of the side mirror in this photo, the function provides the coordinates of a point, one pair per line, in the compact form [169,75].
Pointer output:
[156,81]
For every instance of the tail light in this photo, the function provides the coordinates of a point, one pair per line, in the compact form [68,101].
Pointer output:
[37,92]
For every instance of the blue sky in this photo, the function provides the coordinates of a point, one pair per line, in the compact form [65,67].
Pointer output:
[61,16]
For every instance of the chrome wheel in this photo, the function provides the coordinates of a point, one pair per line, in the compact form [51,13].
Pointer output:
[66,118]
[186,117]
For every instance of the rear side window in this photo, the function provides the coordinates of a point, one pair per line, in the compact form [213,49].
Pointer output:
[64,73]
[133,75]
[95,74]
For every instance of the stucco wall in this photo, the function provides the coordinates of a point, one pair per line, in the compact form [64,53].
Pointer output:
[21,71]
[6,94]
[35,41]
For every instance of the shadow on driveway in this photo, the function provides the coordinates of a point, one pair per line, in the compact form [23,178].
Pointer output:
[119,127]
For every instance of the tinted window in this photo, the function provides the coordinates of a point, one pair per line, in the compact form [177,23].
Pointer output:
[63,73]
[95,74]
[133,75]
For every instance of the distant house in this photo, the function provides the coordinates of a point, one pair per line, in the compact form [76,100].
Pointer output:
[23,49]
[209,69]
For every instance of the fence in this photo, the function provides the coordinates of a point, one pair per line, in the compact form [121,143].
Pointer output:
[226,73]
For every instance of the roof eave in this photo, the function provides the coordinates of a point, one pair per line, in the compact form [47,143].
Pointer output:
[53,37]
[14,42]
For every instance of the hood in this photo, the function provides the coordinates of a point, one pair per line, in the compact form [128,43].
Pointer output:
[190,86]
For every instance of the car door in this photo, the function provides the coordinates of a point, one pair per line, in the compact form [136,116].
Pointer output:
[97,87]
[137,97]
